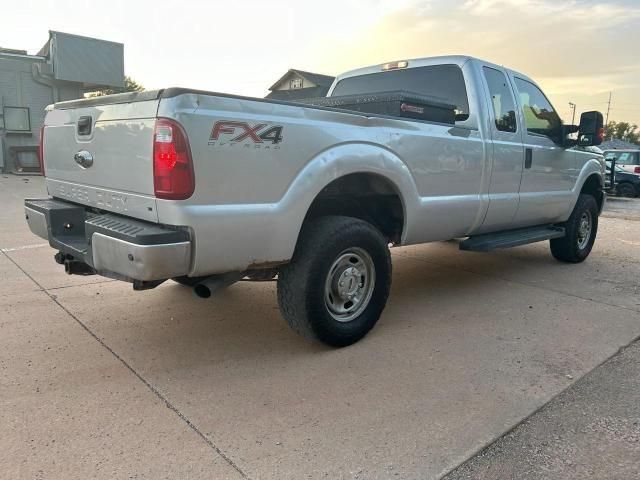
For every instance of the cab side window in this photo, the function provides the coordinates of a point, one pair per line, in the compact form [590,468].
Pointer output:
[539,116]
[502,100]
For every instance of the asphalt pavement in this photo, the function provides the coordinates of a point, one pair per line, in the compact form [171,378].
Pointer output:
[591,430]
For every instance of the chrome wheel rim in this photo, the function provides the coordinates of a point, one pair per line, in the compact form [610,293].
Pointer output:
[349,284]
[584,229]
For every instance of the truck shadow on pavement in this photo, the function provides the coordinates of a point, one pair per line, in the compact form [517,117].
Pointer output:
[244,320]
[434,286]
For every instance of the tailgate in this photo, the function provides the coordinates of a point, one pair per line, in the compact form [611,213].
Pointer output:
[99,153]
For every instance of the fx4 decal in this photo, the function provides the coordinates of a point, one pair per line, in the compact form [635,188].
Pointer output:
[230,132]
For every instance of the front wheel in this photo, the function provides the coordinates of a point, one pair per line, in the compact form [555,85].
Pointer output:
[580,232]
[337,283]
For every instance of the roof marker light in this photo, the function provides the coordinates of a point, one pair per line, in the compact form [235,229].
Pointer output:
[395,65]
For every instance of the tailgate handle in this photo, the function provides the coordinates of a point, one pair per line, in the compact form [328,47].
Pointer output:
[84,125]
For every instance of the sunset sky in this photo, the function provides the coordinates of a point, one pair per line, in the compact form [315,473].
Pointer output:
[577,50]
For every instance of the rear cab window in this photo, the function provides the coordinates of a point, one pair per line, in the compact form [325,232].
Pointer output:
[445,82]
[502,100]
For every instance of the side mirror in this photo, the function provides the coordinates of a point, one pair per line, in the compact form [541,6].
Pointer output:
[591,129]
[565,140]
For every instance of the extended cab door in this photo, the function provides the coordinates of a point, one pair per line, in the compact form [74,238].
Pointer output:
[549,173]
[506,150]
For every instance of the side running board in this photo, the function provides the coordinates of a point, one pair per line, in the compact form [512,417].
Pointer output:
[511,238]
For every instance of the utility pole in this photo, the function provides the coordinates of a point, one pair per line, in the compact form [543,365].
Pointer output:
[606,122]
[572,106]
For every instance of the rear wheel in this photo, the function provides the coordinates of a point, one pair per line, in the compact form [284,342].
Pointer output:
[626,190]
[337,283]
[581,229]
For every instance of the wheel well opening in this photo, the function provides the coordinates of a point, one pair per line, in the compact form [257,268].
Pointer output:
[366,196]
[593,187]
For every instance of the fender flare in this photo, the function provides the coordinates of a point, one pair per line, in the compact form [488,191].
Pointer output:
[346,159]
[591,168]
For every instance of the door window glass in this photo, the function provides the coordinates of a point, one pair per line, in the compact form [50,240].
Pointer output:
[539,116]
[502,99]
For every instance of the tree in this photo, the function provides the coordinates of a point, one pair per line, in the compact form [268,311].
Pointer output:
[130,85]
[623,130]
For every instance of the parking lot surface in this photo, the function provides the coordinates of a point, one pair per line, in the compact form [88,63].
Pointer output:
[591,430]
[99,381]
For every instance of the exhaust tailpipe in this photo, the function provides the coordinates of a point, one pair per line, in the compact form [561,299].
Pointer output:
[215,283]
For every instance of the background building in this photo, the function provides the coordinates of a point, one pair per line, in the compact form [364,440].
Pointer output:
[297,84]
[65,68]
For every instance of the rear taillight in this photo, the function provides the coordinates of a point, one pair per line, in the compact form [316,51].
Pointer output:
[172,166]
[636,170]
[41,150]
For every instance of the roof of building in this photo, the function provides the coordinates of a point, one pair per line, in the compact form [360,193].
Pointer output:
[617,144]
[298,93]
[13,51]
[317,78]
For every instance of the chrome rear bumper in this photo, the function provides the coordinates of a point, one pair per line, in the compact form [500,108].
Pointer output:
[113,245]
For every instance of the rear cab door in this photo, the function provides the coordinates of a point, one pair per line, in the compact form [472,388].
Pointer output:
[506,149]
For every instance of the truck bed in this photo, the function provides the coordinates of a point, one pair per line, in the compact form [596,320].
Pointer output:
[331,104]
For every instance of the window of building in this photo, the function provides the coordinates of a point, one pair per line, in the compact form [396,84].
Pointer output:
[295,83]
[539,116]
[16,119]
[502,99]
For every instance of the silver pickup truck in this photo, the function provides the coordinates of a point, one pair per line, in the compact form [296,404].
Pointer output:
[207,188]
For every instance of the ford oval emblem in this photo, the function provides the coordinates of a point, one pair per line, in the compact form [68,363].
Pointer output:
[83,158]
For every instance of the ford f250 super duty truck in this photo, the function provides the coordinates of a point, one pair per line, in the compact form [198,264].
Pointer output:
[206,188]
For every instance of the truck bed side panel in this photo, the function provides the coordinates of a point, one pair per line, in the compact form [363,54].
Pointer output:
[251,196]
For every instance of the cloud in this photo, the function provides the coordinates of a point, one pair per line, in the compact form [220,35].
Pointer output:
[558,38]
[589,14]
[577,50]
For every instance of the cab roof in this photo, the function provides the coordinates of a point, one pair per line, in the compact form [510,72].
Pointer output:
[458,60]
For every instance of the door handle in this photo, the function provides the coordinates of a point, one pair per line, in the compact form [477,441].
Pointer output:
[528,157]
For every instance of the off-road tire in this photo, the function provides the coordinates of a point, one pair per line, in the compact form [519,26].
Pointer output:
[301,283]
[567,248]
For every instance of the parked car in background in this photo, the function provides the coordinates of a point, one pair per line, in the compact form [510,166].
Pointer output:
[628,160]
[626,184]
